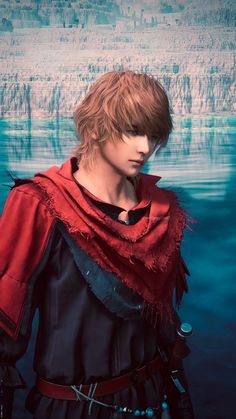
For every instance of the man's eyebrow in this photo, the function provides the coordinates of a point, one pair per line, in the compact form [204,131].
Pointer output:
[136,128]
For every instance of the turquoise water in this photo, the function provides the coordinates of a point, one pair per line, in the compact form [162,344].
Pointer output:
[199,163]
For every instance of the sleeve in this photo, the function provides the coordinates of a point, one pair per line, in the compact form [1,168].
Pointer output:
[10,378]
[24,248]
[25,227]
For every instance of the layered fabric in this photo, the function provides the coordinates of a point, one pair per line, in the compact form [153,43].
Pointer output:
[145,256]
[73,322]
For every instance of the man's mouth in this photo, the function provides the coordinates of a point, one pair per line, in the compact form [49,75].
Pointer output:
[140,162]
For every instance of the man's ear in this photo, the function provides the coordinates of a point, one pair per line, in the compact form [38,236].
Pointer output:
[94,140]
[94,136]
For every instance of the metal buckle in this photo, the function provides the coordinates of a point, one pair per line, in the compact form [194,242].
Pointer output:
[176,381]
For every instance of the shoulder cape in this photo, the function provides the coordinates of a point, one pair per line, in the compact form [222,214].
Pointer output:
[145,256]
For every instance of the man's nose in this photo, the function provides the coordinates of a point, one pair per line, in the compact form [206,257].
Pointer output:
[143,144]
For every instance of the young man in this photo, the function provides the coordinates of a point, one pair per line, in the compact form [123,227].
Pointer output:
[95,246]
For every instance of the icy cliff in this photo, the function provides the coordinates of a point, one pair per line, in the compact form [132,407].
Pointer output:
[47,65]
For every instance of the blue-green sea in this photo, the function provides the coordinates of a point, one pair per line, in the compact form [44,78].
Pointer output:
[199,163]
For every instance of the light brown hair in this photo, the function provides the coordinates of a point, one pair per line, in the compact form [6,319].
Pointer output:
[121,102]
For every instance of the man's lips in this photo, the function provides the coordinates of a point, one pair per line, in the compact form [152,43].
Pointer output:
[138,161]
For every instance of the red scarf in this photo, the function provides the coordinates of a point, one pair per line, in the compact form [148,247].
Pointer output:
[145,256]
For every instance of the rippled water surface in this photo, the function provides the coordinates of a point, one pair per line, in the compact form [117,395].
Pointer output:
[199,163]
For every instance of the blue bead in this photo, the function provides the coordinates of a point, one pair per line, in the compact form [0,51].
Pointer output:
[164,405]
[149,412]
[143,413]
[137,412]
[120,409]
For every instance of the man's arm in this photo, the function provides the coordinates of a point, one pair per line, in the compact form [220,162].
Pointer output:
[25,228]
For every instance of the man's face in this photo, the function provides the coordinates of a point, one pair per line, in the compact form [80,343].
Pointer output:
[127,157]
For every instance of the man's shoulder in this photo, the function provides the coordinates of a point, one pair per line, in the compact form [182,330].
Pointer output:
[25,187]
[25,196]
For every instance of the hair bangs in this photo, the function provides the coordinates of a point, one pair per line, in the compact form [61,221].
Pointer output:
[122,102]
[137,102]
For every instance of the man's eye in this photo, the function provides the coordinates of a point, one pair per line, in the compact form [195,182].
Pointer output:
[133,132]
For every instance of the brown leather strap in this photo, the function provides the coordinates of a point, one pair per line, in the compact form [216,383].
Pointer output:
[57,391]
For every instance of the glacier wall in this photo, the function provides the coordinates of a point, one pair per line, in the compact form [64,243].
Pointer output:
[51,52]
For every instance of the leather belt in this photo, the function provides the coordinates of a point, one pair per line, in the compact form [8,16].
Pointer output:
[137,375]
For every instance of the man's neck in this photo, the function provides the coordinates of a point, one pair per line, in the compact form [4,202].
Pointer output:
[108,186]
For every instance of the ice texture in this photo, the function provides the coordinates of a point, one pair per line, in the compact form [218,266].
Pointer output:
[51,52]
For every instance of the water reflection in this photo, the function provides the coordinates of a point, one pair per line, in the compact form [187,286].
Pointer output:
[200,150]
[200,153]
[34,144]
[200,156]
